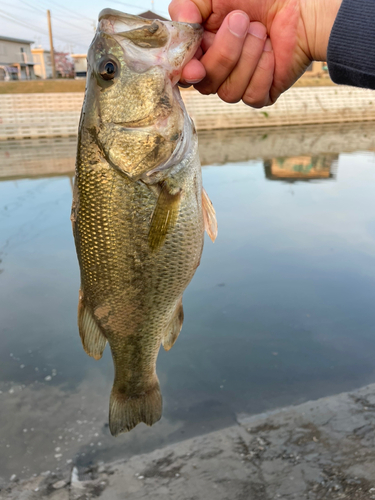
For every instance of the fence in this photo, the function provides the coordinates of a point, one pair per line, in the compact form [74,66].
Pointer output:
[57,114]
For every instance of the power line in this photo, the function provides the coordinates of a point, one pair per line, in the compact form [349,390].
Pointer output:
[32,6]
[71,12]
[31,27]
[58,19]
[12,6]
[9,17]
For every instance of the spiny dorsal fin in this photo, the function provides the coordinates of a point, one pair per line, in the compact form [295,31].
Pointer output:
[174,327]
[209,216]
[164,217]
[92,338]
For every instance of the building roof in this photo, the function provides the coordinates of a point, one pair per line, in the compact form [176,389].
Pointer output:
[151,15]
[18,40]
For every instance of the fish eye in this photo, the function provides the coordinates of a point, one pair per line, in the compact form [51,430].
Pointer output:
[108,70]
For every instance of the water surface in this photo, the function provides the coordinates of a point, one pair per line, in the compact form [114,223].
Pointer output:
[280,311]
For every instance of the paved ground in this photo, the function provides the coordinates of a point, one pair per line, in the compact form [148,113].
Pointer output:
[320,450]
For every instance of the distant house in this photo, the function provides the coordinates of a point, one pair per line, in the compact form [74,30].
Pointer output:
[151,15]
[42,63]
[16,60]
[301,168]
[80,65]
[64,65]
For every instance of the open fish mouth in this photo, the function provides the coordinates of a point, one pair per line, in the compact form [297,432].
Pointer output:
[170,44]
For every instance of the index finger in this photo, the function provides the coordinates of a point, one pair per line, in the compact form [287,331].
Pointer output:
[190,11]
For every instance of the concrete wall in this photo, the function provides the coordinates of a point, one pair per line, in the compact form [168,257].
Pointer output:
[57,114]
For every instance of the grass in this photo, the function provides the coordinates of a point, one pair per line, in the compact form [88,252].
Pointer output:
[42,86]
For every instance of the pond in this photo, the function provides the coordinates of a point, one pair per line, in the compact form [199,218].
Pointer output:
[280,311]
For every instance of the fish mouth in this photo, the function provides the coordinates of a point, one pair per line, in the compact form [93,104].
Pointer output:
[170,43]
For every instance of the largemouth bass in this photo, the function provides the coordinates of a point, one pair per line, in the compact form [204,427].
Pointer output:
[139,210]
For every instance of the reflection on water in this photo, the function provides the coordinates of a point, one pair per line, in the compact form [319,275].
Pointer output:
[301,168]
[280,310]
[47,157]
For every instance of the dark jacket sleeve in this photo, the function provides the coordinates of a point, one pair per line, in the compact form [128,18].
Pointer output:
[351,48]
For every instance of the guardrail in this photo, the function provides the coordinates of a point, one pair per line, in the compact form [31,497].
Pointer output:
[57,115]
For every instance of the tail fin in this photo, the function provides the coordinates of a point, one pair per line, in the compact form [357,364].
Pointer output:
[125,412]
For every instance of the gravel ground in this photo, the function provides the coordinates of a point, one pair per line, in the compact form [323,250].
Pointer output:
[320,450]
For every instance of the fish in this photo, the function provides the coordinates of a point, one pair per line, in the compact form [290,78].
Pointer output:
[139,210]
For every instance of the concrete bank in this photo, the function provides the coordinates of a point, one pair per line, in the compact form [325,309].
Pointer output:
[319,450]
[57,114]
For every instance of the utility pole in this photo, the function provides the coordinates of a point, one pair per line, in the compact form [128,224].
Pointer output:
[51,45]
[152,5]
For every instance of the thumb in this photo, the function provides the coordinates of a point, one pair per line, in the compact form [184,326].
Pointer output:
[190,11]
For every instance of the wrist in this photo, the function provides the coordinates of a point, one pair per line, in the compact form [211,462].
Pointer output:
[318,17]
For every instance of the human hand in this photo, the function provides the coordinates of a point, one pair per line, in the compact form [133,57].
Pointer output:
[263,60]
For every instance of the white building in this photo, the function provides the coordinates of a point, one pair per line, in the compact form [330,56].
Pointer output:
[80,65]
[16,60]
[42,63]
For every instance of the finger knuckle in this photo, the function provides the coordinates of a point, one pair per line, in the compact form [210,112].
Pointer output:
[254,99]
[227,94]
[266,62]
[226,60]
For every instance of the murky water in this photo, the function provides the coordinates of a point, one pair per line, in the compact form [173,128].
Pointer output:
[280,311]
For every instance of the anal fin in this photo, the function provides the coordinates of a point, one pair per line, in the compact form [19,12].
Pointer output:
[209,216]
[174,327]
[92,338]
[164,217]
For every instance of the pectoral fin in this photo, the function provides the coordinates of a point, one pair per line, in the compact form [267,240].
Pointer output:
[164,217]
[93,340]
[209,216]
[174,328]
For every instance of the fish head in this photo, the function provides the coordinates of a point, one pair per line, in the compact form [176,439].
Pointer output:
[133,67]
[148,43]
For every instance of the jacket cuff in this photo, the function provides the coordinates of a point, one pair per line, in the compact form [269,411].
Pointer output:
[351,47]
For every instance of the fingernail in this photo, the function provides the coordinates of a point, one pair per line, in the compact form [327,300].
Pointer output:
[258,30]
[191,82]
[238,24]
[268,46]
